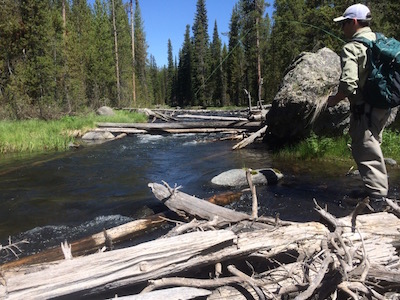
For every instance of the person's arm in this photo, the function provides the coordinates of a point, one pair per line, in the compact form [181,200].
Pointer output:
[349,77]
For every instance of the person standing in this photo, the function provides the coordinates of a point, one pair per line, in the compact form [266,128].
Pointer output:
[366,122]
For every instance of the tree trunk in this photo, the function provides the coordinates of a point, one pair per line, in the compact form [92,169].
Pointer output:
[133,57]
[116,54]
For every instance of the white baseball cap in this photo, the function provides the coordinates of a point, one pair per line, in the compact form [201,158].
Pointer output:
[356,11]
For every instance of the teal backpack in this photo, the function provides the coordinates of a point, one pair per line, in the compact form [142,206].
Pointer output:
[382,88]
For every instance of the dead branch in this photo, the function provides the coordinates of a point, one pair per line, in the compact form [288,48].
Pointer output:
[254,213]
[190,282]
[248,279]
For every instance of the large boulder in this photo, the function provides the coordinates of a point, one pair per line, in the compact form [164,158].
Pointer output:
[308,82]
[299,107]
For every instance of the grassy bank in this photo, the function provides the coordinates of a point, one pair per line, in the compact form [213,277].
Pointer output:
[54,135]
[316,147]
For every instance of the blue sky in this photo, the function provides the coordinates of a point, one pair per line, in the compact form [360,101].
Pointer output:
[167,19]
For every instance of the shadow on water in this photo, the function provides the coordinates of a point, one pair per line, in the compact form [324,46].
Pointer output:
[54,197]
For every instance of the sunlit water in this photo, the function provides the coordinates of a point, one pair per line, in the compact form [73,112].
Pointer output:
[55,197]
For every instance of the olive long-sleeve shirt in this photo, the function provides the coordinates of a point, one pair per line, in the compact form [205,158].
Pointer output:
[354,62]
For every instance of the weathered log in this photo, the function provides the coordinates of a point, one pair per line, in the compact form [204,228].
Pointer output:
[371,247]
[218,118]
[91,244]
[250,139]
[184,125]
[124,130]
[179,293]
[183,203]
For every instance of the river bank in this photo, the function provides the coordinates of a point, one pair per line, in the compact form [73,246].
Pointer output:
[36,136]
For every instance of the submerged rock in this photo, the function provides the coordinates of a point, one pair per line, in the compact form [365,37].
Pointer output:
[237,177]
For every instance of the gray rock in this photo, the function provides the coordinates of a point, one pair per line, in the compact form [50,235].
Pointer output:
[237,177]
[98,135]
[308,82]
[306,86]
[105,111]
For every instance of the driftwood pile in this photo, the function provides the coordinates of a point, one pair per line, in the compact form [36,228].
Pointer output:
[219,253]
[239,128]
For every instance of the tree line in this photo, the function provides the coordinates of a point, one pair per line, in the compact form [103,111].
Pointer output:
[62,57]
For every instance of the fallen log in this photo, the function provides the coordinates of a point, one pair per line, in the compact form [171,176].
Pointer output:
[250,139]
[182,203]
[91,244]
[184,125]
[316,260]
[219,118]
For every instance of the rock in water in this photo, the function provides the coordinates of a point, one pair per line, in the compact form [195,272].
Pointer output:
[237,177]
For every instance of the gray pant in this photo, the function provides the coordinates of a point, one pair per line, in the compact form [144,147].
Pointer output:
[366,135]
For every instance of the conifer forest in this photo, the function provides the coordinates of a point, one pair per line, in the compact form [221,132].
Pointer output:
[61,57]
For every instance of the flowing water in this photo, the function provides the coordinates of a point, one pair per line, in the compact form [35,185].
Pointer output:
[57,197]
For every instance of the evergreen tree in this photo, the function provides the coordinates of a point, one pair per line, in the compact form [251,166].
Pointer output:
[200,54]
[11,33]
[265,34]
[216,81]
[235,61]
[38,68]
[185,90]
[140,57]
[224,77]
[101,70]
[251,13]
[170,76]
[78,40]
[287,41]
[125,52]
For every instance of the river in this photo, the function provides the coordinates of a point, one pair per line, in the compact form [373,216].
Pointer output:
[49,198]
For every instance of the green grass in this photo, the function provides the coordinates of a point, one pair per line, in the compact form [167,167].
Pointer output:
[314,147]
[54,135]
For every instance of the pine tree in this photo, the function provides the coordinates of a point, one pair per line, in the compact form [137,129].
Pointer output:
[78,40]
[216,81]
[11,33]
[200,54]
[38,68]
[101,69]
[235,61]
[185,87]
[170,76]
[140,57]
[287,41]
[125,52]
